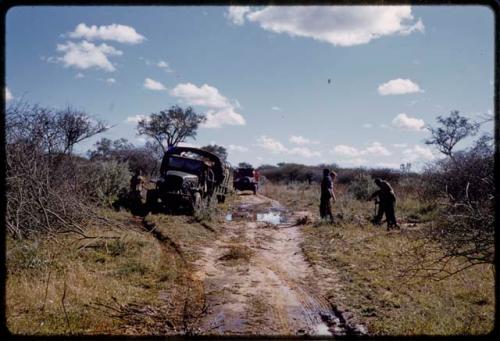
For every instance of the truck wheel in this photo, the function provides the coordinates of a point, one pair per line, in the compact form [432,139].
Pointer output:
[254,190]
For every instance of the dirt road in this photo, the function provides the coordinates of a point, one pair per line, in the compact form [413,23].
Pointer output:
[257,280]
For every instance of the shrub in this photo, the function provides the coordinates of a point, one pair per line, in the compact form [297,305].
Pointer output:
[362,187]
[105,180]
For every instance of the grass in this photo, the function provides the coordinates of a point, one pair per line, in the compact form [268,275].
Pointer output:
[237,254]
[369,263]
[66,285]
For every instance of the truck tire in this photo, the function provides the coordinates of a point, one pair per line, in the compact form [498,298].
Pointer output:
[196,203]
[254,190]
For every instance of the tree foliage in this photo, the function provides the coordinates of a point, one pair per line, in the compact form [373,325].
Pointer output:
[244,165]
[452,130]
[220,151]
[121,150]
[172,126]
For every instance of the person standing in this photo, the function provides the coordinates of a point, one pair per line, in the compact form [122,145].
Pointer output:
[325,207]
[136,182]
[387,203]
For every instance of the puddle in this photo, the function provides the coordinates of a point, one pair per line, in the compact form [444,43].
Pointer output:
[274,218]
[322,329]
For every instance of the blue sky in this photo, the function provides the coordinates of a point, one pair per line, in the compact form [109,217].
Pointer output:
[261,74]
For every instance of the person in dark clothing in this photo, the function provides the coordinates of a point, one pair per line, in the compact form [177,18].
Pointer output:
[325,207]
[387,202]
[137,181]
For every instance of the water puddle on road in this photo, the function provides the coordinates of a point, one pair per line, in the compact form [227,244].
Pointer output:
[270,217]
[273,218]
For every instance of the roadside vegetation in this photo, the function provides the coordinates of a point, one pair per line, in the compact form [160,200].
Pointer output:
[374,266]
[436,275]
[77,264]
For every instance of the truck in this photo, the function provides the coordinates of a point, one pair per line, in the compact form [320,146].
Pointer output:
[189,178]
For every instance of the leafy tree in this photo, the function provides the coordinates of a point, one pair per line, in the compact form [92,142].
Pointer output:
[123,151]
[220,151]
[453,129]
[171,126]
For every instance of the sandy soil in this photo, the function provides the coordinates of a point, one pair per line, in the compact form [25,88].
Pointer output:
[265,287]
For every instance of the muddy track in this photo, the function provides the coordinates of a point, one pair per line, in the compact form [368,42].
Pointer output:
[258,282]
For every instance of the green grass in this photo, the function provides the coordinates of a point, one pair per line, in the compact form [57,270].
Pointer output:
[130,269]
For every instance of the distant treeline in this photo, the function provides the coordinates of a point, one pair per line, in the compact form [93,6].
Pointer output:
[293,172]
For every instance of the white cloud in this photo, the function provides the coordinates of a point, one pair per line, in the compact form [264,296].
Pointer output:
[271,144]
[300,140]
[345,150]
[204,95]
[135,119]
[355,162]
[222,110]
[377,148]
[79,75]
[236,148]
[114,32]
[224,116]
[276,108]
[398,87]
[151,84]
[349,151]
[400,145]
[164,66]
[337,25]
[111,80]
[237,14]
[85,55]
[387,165]
[304,152]
[276,147]
[8,95]
[418,153]
[405,122]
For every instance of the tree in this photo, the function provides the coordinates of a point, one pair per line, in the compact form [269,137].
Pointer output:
[220,151]
[454,128]
[171,126]
[76,126]
[244,165]
[123,151]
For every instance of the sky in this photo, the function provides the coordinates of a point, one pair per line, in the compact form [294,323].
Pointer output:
[351,85]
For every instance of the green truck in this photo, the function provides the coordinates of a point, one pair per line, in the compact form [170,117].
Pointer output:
[189,178]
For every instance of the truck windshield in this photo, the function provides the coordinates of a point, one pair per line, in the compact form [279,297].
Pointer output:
[186,165]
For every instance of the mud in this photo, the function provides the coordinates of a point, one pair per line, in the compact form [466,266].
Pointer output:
[272,292]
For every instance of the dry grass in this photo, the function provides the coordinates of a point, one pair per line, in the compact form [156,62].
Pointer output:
[237,254]
[369,262]
[68,286]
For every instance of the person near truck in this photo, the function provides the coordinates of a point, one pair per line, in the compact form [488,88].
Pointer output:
[137,181]
[327,194]
[386,204]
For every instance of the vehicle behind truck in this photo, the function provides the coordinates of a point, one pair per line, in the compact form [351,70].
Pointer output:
[246,179]
[189,178]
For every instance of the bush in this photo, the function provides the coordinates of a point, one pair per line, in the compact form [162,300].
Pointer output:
[362,187]
[105,180]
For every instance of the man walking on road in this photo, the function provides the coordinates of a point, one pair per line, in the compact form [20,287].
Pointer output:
[387,203]
[325,207]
